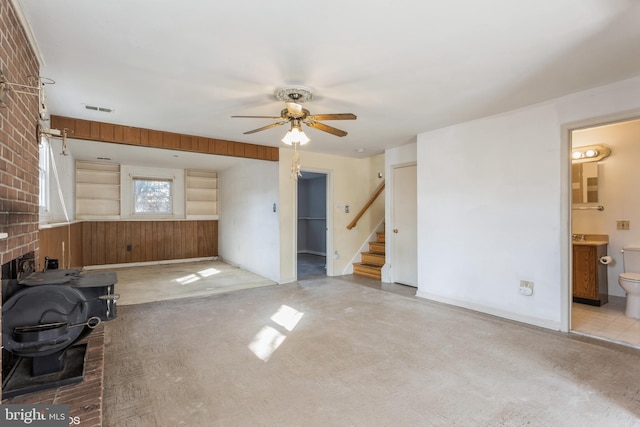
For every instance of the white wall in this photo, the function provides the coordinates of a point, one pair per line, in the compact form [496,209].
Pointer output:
[494,208]
[618,178]
[350,181]
[248,230]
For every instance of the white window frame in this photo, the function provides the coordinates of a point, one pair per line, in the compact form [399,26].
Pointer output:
[44,165]
[169,180]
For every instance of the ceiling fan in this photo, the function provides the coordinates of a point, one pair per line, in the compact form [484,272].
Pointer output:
[293,97]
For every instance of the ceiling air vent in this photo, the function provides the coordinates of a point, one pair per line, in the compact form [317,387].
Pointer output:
[100,109]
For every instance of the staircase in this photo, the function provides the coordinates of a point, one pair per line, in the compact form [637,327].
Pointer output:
[372,261]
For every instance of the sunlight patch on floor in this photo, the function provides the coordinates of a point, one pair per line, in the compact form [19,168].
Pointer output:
[208,272]
[287,317]
[267,341]
[187,279]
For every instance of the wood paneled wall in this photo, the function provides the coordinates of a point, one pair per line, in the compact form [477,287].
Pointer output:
[119,134]
[119,242]
[63,243]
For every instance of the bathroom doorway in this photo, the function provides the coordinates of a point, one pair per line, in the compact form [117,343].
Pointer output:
[604,193]
[312,226]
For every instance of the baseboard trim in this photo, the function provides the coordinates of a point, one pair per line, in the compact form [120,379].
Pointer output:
[547,324]
[142,264]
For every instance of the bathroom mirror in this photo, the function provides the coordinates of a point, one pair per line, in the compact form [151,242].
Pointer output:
[584,182]
[584,172]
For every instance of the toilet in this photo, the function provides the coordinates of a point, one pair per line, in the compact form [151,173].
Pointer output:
[630,279]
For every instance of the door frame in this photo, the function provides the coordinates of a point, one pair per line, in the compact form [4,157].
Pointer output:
[566,263]
[329,215]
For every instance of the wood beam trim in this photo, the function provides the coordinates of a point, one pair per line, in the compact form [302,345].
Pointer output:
[128,135]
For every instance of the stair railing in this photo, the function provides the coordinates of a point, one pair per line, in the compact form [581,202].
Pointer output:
[364,209]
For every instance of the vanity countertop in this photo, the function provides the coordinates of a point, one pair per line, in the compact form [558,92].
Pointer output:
[590,242]
[590,239]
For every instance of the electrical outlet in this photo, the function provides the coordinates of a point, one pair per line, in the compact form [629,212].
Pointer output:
[623,225]
[526,287]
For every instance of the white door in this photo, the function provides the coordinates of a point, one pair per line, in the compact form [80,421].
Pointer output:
[404,265]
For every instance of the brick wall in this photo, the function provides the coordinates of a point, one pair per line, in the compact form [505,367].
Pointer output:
[18,142]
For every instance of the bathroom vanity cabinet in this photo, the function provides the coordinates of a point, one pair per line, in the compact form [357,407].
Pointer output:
[590,285]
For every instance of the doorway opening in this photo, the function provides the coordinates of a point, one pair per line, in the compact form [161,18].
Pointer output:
[311,225]
[602,196]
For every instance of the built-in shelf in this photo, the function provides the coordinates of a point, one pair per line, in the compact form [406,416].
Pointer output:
[97,190]
[201,188]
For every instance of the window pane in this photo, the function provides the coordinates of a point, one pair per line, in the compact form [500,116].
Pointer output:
[152,196]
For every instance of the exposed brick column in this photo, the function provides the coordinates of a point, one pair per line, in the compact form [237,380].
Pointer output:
[19,173]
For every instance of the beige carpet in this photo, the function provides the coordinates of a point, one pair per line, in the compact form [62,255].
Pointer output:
[328,352]
[138,285]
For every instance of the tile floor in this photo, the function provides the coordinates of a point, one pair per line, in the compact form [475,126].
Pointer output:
[607,322]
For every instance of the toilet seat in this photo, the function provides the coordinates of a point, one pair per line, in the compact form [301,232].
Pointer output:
[630,277]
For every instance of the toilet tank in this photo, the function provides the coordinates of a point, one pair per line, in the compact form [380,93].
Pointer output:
[631,258]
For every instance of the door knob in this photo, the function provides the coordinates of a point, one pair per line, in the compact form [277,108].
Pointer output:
[395,230]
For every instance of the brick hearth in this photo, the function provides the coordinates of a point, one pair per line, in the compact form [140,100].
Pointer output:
[84,398]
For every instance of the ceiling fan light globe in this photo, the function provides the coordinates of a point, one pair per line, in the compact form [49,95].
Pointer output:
[303,138]
[295,136]
[288,139]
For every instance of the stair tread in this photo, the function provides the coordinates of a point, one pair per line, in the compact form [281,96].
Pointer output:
[367,270]
[371,258]
[377,247]
[366,264]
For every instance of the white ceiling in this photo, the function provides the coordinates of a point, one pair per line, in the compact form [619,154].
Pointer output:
[403,67]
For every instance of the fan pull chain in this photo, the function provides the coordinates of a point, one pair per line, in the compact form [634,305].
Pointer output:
[295,163]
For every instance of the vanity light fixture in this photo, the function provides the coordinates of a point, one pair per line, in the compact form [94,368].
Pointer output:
[590,153]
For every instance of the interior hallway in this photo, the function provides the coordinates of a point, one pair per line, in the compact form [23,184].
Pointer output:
[330,351]
[309,266]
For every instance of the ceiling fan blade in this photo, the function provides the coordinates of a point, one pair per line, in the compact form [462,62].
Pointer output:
[325,128]
[272,125]
[257,117]
[339,116]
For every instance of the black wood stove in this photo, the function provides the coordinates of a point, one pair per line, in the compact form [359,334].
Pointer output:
[43,316]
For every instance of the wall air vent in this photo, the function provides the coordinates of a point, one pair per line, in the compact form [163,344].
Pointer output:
[100,109]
